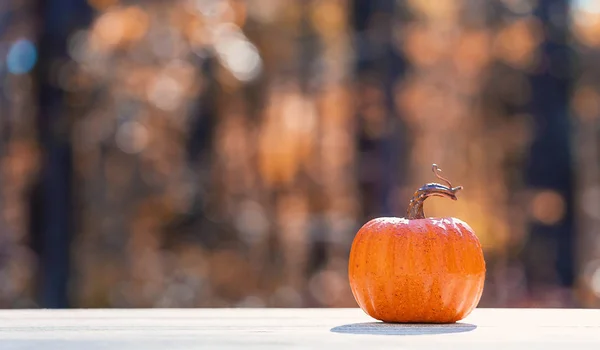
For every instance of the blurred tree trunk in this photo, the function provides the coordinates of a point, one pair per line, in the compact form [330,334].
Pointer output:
[52,201]
[382,144]
[18,151]
[548,255]
[586,144]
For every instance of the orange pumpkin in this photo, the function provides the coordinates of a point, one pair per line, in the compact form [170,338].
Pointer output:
[417,269]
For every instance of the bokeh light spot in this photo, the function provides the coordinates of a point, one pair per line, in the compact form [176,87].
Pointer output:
[595,282]
[586,103]
[132,137]
[237,54]
[21,57]
[590,201]
[165,93]
[590,6]
[548,207]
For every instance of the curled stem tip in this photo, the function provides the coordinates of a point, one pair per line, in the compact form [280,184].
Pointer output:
[436,171]
[415,207]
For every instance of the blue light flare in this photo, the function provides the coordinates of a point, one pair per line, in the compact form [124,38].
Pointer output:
[21,57]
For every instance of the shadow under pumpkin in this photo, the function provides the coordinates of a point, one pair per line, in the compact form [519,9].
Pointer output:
[403,329]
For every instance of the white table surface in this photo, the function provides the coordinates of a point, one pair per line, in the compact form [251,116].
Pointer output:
[571,329]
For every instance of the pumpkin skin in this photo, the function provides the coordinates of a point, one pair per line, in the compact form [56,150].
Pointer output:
[424,270]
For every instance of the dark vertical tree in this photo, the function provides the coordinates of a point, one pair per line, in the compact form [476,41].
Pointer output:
[52,199]
[378,67]
[549,252]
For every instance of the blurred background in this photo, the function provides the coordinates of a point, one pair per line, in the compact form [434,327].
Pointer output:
[223,153]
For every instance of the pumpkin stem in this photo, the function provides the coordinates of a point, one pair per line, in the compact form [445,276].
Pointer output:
[415,207]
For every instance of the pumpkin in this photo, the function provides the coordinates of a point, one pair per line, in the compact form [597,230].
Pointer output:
[417,269]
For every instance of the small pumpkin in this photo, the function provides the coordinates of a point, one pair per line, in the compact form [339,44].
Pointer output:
[417,269]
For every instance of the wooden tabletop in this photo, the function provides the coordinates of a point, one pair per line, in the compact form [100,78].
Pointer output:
[292,329]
